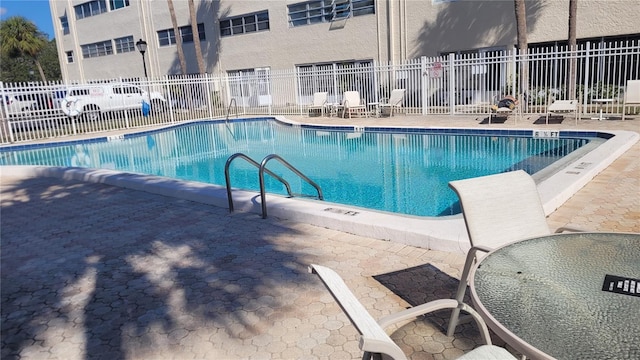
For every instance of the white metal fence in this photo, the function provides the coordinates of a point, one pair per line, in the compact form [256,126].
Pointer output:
[451,84]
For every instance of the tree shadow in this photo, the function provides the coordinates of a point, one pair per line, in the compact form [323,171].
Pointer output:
[205,12]
[473,25]
[130,273]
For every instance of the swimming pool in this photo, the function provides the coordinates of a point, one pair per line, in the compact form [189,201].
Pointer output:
[404,171]
[556,183]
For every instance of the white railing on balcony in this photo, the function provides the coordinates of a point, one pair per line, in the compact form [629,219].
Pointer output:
[451,84]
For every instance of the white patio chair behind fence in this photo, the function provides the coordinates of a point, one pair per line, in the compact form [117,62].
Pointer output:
[352,103]
[631,96]
[505,112]
[497,209]
[319,103]
[394,103]
[562,107]
[375,342]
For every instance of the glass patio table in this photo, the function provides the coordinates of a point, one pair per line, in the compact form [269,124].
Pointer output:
[564,296]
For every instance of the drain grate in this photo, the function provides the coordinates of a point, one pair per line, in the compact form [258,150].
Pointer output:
[342,211]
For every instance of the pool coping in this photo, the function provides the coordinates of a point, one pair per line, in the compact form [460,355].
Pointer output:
[446,233]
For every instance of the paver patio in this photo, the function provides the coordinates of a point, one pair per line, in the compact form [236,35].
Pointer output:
[91,271]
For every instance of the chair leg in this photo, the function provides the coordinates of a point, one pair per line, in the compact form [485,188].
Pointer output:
[462,289]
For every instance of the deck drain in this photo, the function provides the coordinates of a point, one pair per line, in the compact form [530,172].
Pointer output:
[583,165]
[341,211]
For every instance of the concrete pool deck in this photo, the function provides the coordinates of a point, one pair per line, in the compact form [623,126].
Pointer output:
[92,271]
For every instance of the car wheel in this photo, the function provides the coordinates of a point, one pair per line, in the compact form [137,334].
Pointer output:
[90,113]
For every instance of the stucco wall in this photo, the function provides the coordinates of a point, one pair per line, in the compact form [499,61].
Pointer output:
[462,25]
[401,29]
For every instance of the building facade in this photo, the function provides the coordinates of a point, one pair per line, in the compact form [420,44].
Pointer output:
[96,38]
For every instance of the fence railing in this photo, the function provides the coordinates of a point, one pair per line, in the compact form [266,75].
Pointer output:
[449,84]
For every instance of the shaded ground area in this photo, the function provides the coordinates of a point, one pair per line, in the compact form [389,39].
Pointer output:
[90,271]
[97,272]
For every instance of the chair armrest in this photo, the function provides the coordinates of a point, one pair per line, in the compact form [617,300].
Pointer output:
[436,305]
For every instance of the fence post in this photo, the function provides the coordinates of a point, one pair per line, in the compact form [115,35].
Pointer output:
[5,112]
[424,85]
[209,94]
[586,77]
[452,84]
[169,99]
[513,73]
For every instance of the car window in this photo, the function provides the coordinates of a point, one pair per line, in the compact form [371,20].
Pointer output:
[79,92]
[126,89]
[60,94]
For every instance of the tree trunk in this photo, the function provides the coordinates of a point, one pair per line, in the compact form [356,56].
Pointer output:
[176,32]
[571,81]
[44,78]
[521,28]
[196,37]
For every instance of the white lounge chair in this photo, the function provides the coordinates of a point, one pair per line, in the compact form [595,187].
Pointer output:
[562,107]
[504,112]
[352,103]
[497,209]
[375,342]
[394,103]
[319,103]
[631,96]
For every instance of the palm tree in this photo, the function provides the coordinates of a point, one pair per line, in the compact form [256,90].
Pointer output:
[196,37]
[178,36]
[20,37]
[521,28]
[573,9]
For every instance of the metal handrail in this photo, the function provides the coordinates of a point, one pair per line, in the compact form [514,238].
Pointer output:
[226,119]
[254,163]
[263,169]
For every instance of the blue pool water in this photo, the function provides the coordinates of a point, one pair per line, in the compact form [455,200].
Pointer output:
[397,170]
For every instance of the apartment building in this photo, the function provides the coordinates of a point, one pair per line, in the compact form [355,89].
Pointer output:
[96,38]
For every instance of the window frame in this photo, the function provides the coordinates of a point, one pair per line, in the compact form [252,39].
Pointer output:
[113,3]
[166,37]
[87,9]
[124,44]
[64,23]
[97,49]
[324,11]
[245,24]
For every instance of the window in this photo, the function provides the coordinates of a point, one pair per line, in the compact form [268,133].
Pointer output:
[69,57]
[118,4]
[319,11]
[245,24]
[64,22]
[246,84]
[167,37]
[125,44]
[322,77]
[90,8]
[102,48]
[127,89]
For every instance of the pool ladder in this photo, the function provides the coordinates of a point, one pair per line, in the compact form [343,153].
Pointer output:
[226,119]
[263,169]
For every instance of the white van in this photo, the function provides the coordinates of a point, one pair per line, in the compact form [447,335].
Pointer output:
[92,100]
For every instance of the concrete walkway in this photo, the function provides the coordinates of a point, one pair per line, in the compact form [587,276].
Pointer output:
[91,271]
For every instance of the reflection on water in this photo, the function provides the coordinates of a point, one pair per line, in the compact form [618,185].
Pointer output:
[404,173]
